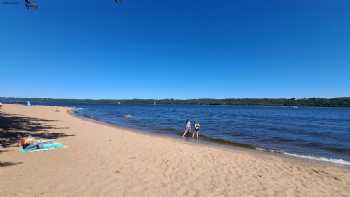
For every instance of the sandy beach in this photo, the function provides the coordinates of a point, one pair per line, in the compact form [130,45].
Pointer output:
[102,160]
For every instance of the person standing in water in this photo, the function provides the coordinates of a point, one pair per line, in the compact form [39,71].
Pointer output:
[188,127]
[196,129]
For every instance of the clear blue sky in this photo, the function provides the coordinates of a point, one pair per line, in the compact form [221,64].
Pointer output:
[176,48]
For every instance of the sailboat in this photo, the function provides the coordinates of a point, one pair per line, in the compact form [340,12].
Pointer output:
[155,101]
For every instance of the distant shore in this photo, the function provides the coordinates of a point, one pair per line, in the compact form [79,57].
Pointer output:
[101,160]
[288,102]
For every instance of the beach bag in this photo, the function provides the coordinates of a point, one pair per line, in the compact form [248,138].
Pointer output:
[23,141]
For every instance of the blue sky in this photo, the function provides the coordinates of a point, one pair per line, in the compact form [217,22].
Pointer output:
[176,49]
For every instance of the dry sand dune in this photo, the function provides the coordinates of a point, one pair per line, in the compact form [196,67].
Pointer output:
[102,160]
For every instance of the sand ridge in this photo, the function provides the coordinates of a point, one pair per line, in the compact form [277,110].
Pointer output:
[101,160]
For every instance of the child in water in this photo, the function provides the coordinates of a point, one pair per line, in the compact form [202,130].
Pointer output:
[196,129]
[188,127]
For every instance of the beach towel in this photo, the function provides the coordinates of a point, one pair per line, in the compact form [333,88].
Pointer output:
[43,146]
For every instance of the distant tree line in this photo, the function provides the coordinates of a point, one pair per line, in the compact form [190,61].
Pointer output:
[319,102]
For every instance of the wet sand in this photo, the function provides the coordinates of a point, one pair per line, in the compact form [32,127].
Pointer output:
[102,160]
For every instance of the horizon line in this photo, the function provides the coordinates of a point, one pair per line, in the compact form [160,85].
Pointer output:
[199,98]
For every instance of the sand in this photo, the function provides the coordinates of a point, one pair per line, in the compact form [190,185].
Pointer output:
[102,160]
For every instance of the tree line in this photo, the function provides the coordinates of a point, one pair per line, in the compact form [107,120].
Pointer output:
[318,102]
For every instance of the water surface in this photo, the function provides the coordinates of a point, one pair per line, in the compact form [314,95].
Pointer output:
[322,133]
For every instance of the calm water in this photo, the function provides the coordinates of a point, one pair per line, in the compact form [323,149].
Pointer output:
[322,133]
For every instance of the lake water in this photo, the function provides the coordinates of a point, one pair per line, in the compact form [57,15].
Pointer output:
[311,132]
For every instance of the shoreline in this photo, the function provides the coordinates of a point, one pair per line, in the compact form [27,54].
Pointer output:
[219,143]
[105,160]
[341,102]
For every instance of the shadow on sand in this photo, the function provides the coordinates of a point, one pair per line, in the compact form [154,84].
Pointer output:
[13,127]
[7,164]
